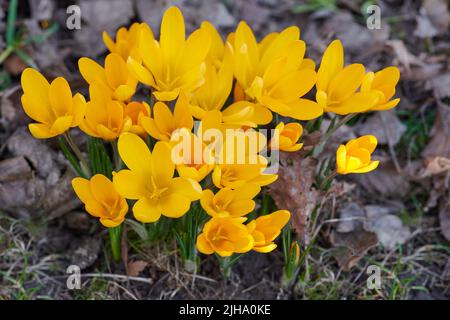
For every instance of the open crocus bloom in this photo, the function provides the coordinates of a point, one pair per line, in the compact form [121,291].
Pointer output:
[228,202]
[265,229]
[127,40]
[273,71]
[225,236]
[164,123]
[149,180]
[101,199]
[174,63]
[104,117]
[51,105]
[286,137]
[337,86]
[114,77]
[355,156]
[383,84]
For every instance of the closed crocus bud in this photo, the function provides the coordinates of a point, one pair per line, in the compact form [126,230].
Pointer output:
[266,229]
[225,236]
[51,105]
[286,137]
[127,40]
[101,199]
[355,156]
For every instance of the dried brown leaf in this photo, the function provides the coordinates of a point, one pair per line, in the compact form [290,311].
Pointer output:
[135,267]
[294,190]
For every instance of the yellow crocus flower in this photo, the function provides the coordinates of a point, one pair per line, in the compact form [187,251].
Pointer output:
[286,137]
[228,202]
[174,63]
[382,83]
[195,158]
[225,236]
[273,72]
[104,117]
[266,229]
[114,77]
[101,199]
[337,85]
[355,156]
[237,175]
[135,111]
[52,106]
[149,180]
[164,123]
[126,43]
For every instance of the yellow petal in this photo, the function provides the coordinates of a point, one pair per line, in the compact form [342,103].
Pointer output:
[332,63]
[174,205]
[82,189]
[304,109]
[91,71]
[172,34]
[129,184]
[41,131]
[203,245]
[60,97]
[345,82]
[140,73]
[135,154]
[61,125]
[146,210]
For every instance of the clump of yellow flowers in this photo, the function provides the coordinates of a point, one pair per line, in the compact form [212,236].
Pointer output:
[200,88]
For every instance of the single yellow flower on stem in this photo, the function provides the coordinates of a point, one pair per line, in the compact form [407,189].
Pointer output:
[355,156]
[101,199]
[149,180]
[164,123]
[114,77]
[52,106]
[135,111]
[228,202]
[104,117]
[286,137]
[126,43]
[382,83]
[265,229]
[337,85]
[273,72]
[174,63]
[225,236]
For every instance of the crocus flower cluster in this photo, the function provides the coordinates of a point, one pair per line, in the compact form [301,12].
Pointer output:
[238,84]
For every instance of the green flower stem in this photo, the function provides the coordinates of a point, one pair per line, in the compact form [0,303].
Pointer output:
[77,152]
[115,240]
[321,144]
[225,266]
